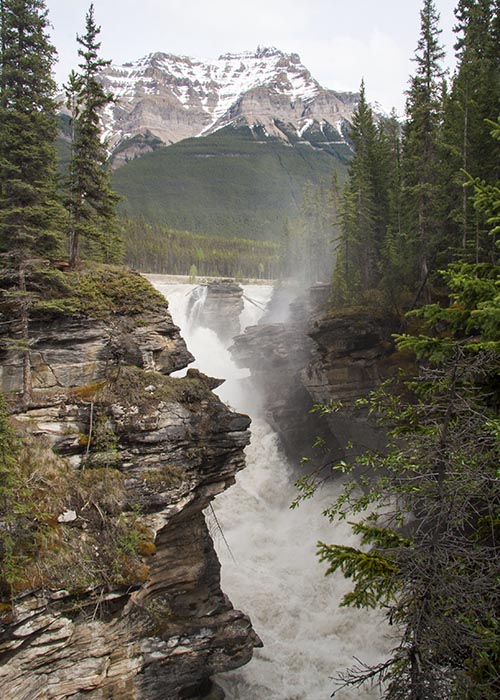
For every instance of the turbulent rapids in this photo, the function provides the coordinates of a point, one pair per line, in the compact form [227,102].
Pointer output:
[267,551]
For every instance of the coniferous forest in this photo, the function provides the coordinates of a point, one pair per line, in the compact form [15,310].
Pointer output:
[413,234]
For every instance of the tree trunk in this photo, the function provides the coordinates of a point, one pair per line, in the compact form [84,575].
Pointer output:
[27,375]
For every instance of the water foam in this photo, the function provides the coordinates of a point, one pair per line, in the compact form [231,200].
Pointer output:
[271,571]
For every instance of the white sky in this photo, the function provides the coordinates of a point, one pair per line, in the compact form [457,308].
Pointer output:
[339,41]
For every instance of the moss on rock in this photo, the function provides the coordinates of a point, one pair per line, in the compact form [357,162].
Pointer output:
[96,291]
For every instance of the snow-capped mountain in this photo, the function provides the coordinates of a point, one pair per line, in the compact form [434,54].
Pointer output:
[166,98]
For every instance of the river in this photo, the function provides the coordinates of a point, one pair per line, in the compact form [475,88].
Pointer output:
[267,551]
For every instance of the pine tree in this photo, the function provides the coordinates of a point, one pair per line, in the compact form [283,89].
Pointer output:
[31,217]
[91,201]
[474,97]
[366,205]
[421,135]
[397,269]
[356,255]
[429,503]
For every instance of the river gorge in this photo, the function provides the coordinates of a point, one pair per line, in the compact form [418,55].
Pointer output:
[267,550]
[163,440]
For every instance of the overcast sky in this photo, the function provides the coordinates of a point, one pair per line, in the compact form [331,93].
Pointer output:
[339,41]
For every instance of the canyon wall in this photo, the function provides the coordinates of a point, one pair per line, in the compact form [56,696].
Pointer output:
[303,355]
[121,599]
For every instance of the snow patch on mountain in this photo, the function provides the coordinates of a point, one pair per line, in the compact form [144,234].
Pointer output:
[176,97]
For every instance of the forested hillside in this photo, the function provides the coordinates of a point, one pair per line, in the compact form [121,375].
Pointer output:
[156,248]
[235,183]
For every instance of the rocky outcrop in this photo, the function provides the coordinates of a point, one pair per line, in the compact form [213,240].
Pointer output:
[122,598]
[353,355]
[314,358]
[221,309]
[72,352]
[276,354]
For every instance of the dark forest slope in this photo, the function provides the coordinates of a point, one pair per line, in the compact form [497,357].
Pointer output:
[233,183]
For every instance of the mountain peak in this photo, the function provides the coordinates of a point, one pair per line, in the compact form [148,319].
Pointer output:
[260,52]
[175,97]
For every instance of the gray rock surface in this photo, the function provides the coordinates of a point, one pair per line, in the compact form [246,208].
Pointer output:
[222,308]
[72,351]
[165,627]
[314,358]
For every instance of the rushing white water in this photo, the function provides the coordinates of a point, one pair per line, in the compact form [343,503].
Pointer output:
[271,571]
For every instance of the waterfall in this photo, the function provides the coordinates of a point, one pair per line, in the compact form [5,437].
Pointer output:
[197,296]
[271,571]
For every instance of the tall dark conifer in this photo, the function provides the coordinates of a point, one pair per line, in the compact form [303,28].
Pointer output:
[366,205]
[420,141]
[91,201]
[474,97]
[30,213]
[356,259]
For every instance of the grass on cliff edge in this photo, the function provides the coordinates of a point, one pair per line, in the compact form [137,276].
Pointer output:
[95,291]
[37,551]
[135,387]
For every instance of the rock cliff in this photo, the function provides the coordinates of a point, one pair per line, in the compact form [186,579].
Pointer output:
[114,589]
[305,356]
[222,308]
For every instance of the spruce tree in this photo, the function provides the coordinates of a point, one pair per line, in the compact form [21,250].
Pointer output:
[420,143]
[91,201]
[356,256]
[31,215]
[397,268]
[427,511]
[30,212]
[474,97]
[366,205]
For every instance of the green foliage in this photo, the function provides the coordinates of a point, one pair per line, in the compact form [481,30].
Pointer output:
[37,547]
[371,572]
[407,209]
[165,478]
[31,217]
[90,200]
[424,507]
[371,262]
[473,99]
[97,291]
[487,194]
[420,154]
[128,388]
[428,505]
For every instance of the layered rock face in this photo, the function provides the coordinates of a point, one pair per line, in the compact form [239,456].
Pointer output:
[176,97]
[123,600]
[353,355]
[221,309]
[311,358]
[72,352]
